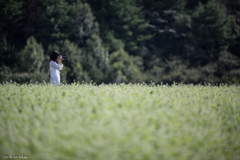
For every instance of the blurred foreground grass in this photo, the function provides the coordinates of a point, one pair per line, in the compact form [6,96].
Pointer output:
[120,122]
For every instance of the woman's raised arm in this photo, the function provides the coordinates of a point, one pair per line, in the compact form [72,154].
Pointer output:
[56,66]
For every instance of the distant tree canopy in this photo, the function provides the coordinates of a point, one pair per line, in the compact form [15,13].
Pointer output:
[188,41]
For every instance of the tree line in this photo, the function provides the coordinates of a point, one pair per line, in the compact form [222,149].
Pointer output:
[113,41]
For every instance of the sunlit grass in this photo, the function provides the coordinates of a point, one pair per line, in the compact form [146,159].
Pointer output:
[120,122]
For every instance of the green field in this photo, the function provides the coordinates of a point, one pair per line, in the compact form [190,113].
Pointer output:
[120,122]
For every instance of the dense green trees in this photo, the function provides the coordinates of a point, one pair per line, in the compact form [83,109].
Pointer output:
[189,41]
[123,68]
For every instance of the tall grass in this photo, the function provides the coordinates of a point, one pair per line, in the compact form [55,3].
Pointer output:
[120,122]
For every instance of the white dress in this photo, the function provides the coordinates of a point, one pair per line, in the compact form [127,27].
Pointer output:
[55,73]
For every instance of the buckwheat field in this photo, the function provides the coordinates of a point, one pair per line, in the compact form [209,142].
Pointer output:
[119,122]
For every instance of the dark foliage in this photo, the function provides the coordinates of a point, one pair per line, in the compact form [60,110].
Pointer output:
[188,41]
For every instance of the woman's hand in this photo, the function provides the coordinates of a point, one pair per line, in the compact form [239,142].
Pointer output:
[59,60]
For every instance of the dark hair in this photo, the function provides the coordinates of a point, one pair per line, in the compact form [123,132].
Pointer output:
[54,55]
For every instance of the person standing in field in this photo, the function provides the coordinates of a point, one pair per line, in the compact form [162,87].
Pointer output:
[56,65]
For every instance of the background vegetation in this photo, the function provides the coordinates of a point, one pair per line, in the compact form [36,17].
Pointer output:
[108,41]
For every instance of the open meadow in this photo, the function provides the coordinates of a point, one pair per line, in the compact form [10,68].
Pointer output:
[119,122]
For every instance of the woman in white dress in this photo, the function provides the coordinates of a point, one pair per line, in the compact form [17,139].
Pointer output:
[56,65]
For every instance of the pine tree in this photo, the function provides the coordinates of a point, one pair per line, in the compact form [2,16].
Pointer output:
[84,24]
[32,11]
[95,59]
[211,29]
[10,26]
[55,23]
[8,53]
[73,69]
[11,40]
[123,69]
[124,19]
[94,56]
[233,8]
[172,33]
[31,56]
